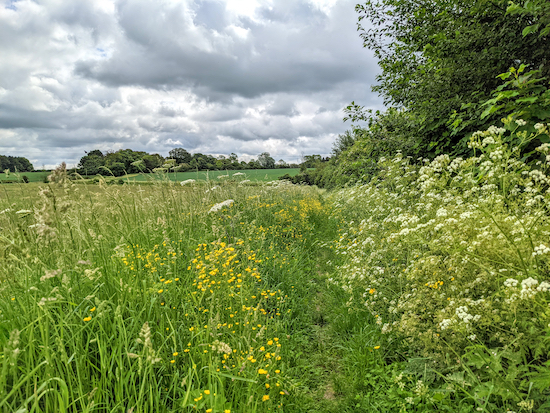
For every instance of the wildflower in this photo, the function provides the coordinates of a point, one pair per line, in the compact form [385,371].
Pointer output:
[87,318]
[510,283]
[262,371]
[376,347]
[187,181]
[265,397]
[219,206]
[207,392]
[92,309]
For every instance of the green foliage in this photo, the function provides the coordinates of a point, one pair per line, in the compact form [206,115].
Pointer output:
[523,96]
[438,56]
[15,164]
[356,152]
[538,11]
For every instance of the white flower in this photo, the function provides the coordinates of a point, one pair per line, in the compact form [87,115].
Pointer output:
[444,324]
[521,122]
[239,174]
[187,181]
[528,288]
[510,283]
[212,189]
[219,206]
[541,249]
[544,287]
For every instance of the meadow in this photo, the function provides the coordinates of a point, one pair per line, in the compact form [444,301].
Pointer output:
[424,290]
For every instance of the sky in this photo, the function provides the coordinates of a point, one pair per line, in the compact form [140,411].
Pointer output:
[210,76]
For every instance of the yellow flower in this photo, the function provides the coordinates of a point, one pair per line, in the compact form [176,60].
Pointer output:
[262,371]
[267,386]
[376,347]
[208,410]
[92,309]
[227,411]
[172,361]
[265,397]
[160,291]
[207,392]
[175,353]
[87,318]
[277,371]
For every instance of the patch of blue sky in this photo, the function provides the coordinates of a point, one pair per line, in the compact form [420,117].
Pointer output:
[10,4]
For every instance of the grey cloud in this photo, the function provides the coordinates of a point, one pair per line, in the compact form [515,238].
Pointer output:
[146,75]
[299,51]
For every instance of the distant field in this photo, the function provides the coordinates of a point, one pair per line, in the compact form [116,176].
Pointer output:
[252,174]
[33,176]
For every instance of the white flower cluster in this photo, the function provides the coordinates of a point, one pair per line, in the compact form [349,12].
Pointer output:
[528,288]
[462,313]
[219,206]
[510,283]
[444,324]
[540,250]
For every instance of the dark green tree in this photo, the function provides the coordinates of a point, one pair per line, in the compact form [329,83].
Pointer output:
[266,161]
[180,155]
[437,56]
[91,163]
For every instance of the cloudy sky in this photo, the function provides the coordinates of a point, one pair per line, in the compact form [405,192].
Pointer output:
[211,76]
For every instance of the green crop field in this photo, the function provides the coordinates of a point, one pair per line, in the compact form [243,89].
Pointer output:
[17,177]
[250,174]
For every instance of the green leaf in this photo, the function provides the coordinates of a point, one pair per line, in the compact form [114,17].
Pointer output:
[530,29]
[530,99]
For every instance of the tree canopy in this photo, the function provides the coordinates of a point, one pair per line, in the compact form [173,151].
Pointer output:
[437,56]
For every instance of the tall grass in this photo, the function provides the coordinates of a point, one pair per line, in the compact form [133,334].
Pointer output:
[129,298]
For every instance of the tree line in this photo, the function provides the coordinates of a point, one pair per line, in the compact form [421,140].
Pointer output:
[447,69]
[128,161]
[15,164]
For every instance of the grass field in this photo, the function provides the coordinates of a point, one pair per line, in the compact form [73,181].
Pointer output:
[425,290]
[250,174]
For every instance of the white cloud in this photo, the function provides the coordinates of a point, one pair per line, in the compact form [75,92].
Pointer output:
[212,76]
